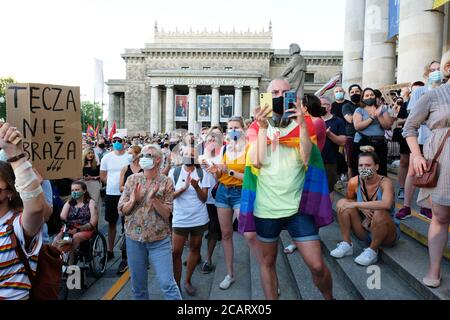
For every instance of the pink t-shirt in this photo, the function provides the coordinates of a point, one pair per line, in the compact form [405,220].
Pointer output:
[321,132]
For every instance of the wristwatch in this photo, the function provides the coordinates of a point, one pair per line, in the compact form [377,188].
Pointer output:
[231,173]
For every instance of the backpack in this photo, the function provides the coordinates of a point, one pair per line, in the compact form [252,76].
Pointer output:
[177,172]
[46,283]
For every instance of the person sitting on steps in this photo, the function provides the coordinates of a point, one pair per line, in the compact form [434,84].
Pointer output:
[368,211]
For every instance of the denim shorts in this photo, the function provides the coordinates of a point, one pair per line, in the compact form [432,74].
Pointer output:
[228,197]
[301,227]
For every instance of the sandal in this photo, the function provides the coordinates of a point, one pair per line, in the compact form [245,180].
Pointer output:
[290,248]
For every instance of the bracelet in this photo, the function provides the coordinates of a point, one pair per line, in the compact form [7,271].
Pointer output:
[16,158]
[27,195]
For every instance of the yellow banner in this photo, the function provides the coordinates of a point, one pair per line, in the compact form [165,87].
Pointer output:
[438,3]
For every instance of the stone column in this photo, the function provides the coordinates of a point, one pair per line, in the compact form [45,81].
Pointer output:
[154,109]
[254,93]
[113,105]
[121,121]
[238,101]
[169,125]
[420,38]
[379,54]
[353,42]
[192,115]
[215,109]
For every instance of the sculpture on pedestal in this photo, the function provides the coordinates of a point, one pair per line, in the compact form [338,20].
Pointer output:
[296,69]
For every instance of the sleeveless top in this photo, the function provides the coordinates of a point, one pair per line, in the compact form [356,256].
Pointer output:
[237,165]
[379,196]
[128,173]
[79,216]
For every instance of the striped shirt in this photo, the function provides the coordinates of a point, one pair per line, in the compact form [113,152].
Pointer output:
[14,282]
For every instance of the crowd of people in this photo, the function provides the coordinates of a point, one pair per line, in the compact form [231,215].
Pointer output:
[169,190]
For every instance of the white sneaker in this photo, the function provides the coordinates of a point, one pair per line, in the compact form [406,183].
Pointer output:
[367,257]
[343,249]
[226,283]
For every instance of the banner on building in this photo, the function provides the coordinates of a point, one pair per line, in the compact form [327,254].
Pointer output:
[226,107]
[49,118]
[181,107]
[394,18]
[204,108]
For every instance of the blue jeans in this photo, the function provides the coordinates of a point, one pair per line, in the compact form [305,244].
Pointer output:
[160,255]
[228,197]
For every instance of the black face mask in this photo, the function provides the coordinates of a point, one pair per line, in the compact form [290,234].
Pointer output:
[370,102]
[278,105]
[188,161]
[356,98]
[101,145]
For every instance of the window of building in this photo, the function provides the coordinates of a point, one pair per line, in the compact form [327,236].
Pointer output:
[309,77]
[206,68]
[228,68]
[184,68]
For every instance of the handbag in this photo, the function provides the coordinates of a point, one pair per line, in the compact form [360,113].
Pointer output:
[46,283]
[430,175]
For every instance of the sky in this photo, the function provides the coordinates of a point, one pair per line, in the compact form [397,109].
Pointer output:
[56,41]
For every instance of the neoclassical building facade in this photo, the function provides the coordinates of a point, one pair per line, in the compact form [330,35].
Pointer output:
[194,79]
[373,60]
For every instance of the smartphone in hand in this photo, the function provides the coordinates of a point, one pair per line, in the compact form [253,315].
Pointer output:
[290,98]
[265,102]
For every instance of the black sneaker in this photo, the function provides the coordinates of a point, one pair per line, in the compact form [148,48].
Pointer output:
[123,266]
[206,267]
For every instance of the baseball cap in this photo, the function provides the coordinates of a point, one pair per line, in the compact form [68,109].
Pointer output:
[117,135]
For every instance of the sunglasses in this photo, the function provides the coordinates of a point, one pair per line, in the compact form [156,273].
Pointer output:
[146,155]
[118,140]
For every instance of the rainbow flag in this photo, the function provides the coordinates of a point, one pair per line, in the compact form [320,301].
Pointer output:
[438,3]
[90,131]
[315,198]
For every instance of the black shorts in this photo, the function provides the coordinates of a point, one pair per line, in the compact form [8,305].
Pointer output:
[111,212]
[213,225]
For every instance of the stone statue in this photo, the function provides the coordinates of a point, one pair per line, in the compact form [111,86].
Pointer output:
[296,69]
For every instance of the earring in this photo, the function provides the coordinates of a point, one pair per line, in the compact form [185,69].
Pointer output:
[9,198]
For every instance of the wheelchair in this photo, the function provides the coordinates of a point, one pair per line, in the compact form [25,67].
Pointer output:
[91,257]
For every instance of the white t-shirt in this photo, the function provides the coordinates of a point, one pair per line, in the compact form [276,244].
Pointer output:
[113,164]
[188,210]
[216,160]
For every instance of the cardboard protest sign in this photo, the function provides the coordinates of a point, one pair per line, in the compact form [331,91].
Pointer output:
[49,118]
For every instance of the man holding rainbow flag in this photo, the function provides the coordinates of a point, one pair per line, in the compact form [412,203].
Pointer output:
[285,186]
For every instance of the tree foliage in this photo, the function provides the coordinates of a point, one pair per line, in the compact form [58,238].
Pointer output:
[3,83]
[91,114]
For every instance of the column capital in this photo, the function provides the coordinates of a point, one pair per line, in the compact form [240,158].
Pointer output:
[254,87]
[192,86]
[169,86]
[156,86]
[215,86]
[238,87]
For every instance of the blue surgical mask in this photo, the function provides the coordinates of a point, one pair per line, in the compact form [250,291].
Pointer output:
[435,77]
[146,163]
[77,194]
[117,146]
[339,95]
[235,134]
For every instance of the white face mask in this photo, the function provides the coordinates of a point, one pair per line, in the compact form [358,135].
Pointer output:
[366,173]
[146,163]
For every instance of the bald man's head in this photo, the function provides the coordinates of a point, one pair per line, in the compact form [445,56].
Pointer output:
[278,87]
